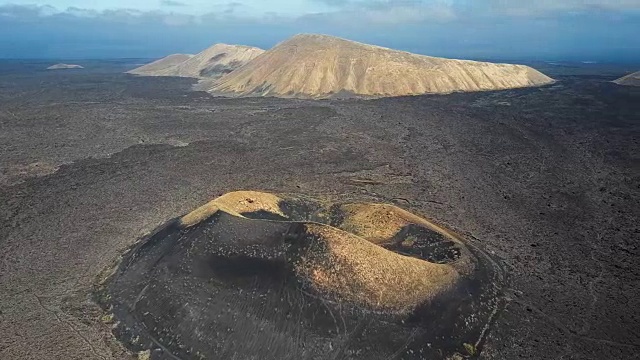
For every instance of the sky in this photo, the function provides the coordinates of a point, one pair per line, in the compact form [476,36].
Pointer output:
[550,30]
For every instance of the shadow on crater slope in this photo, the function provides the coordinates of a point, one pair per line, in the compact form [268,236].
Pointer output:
[257,275]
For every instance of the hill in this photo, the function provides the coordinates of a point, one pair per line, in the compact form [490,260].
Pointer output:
[153,68]
[629,80]
[319,66]
[64,66]
[213,62]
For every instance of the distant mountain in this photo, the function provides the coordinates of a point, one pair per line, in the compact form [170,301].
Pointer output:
[153,68]
[319,66]
[64,66]
[629,80]
[214,62]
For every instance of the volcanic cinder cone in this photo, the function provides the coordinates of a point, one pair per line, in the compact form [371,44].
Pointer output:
[629,80]
[319,66]
[152,69]
[257,275]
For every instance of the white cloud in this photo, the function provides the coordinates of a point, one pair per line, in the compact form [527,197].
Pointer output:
[409,14]
[351,13]
[388,12]
[542,7]
[178,19]
[420,10]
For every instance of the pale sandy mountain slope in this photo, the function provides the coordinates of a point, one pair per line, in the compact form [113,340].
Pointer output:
[213,62]
[159,65]
[629,80]
[319,66]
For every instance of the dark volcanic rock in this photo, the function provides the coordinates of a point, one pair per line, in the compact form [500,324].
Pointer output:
[548,185]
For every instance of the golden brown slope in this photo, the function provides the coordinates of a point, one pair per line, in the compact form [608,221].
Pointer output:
[213,62]
[320,66]
[629,80]
[159,65]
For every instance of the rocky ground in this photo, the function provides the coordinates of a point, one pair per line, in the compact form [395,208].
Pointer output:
[548,180]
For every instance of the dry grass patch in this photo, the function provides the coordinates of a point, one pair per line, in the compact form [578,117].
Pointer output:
[348,268]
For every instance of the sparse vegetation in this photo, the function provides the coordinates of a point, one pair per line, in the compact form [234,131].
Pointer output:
[471,349]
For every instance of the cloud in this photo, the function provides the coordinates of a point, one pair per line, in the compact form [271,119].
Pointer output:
[445,10]
[389,12]
[350,13]
[26,11]
[172,3]
[78,12]
[232,7]
[553,7]
[178,19]
[35,14]
[468,29]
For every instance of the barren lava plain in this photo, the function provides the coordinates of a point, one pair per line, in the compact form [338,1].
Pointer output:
[546,180]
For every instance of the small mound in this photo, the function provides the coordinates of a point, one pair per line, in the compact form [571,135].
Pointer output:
[153,68]
[319,66]
[258,275]
[62,66]
[629,80]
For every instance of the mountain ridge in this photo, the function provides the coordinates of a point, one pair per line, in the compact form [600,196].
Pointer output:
[632,79]
[321,66]
[213,62]
[153,67]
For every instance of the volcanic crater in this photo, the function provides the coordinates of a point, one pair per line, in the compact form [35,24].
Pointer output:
[259,275]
